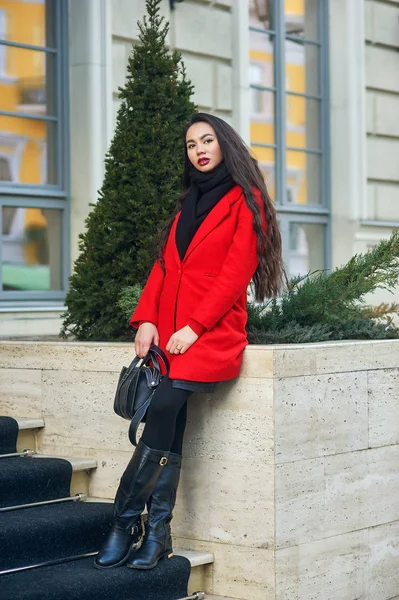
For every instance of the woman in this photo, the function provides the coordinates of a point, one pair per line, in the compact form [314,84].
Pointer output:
[222,234]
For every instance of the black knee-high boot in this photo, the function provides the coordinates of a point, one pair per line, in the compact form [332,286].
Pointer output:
[157,543]
[136,486]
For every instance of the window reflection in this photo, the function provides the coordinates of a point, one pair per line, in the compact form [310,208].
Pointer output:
[267,164]
[261,73]
[303,183]
[28,22]
[303,123]
[302,115]
[302,18]
[261,13]
[306,248]
[27,151]
[30,74]
[27,87]
[302,68]
[31,257]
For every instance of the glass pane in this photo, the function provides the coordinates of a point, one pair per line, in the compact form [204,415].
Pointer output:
[261,72]
[266,163]
[261,14]
[302,122]
[302,18]
[262,117]
[306,248]
[30,76]
[28,22]
[261,57]
[28,151]
[302,68]
[31,248]
[303,178]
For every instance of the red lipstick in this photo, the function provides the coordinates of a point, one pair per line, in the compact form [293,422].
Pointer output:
[203,161]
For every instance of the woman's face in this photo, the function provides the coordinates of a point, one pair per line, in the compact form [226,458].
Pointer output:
[203,148]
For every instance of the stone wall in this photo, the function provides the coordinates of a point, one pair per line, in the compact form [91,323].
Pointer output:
[336,410]
[382,95]
[364,97]
[201,31]
[291,472]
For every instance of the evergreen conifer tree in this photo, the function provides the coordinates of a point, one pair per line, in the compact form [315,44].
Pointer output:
[143,177]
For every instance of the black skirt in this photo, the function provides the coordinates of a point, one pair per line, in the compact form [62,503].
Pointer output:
[204,387]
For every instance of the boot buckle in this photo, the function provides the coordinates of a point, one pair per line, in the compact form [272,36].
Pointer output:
[163,461]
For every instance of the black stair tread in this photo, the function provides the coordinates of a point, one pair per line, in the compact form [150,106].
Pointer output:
[79,580]
[32,535]
[8,435]
[26,480]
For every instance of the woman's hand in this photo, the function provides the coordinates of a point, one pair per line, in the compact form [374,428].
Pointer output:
[146,335]
[181,340]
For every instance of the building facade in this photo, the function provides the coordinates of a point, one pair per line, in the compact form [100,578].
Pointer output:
[311,85]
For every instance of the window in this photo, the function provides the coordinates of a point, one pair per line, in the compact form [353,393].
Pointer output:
[33,150]
[2,36]
[288,63]
[262,103]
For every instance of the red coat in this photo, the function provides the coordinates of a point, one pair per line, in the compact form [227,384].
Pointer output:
[210,286]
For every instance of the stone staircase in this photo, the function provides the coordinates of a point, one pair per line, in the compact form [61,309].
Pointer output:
[82,468]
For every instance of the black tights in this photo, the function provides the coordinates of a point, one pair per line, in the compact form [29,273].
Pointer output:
[166,418]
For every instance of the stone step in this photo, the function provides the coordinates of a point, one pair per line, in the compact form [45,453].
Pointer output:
[81,470]
[81,467]
[27,435]
[201,569]
[196,559]
[201,563]
[212,597]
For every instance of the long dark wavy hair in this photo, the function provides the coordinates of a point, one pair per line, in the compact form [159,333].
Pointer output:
[245,172]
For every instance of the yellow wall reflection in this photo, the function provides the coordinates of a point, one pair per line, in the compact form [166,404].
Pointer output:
[22,140]
[302,117]
[22,90]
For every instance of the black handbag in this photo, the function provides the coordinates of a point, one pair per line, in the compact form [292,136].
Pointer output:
[136,387]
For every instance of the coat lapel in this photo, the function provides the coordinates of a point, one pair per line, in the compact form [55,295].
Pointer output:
[212,220]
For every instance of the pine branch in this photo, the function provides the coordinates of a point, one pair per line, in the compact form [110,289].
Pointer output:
[320,306]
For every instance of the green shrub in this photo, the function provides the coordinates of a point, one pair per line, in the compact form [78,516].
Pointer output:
[322,306]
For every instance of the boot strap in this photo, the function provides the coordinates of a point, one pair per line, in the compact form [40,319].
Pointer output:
[163,460]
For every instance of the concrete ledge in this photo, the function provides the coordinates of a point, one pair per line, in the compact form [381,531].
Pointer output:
[78,464]
[259,362]
[208,597]
[30,323]
[290,475]
[29,423]
[196,558]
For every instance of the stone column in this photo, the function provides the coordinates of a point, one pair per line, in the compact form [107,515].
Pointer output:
[348,132]
[241,92]
[90,105]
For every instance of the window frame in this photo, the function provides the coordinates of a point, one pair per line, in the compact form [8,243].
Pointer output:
[46,195]
[289,212]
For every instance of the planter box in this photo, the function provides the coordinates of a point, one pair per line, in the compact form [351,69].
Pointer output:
[291,472]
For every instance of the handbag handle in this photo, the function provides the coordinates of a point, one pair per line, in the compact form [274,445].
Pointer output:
[159,353]
[155,353]
[154,373]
